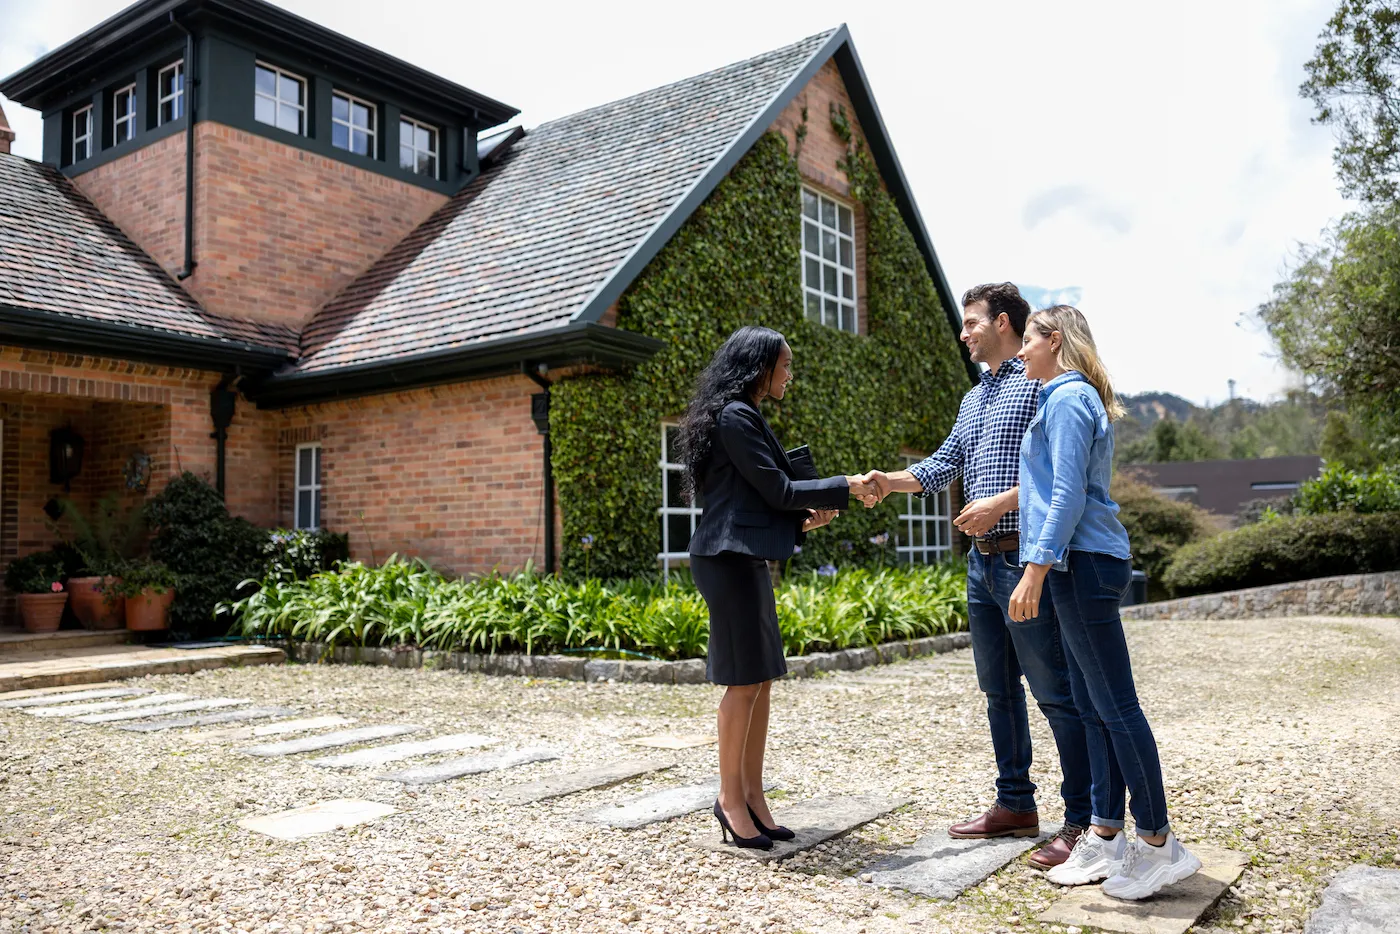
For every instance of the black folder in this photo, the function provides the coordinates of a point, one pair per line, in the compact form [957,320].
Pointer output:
[802,466]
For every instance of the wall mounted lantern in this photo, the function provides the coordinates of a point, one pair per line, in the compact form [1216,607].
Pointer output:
[65,456]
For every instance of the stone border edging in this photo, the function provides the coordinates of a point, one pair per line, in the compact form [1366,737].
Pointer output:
[1344,595]
[571,668]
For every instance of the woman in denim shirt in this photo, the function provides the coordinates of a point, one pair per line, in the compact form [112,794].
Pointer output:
[1070,535]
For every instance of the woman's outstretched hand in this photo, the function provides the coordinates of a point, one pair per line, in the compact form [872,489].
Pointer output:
[819,518]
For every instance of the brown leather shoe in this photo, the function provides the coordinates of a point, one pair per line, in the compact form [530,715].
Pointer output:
[997,822]
[1057,850]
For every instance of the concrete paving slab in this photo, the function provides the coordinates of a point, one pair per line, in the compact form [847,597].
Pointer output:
[205,719]
[938,866]
[364,734]
[14,642]
[77,710]
[1360,900]
[271,729]
[61,689]
[317,818]
[47,699]
[815,821]
[141,713]
[1171,911]
[556,786]
[671,741]
[378,755]
[88,664]
[469,765]
[656,806]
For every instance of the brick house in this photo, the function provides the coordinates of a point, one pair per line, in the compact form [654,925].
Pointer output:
[328,280]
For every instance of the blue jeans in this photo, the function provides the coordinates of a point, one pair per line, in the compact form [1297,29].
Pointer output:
[1122,749]
[1003,651]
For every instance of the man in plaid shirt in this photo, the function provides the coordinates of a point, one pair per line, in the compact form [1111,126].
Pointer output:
[984,448]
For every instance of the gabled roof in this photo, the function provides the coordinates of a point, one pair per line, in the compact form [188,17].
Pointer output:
[548,237]
[70,279]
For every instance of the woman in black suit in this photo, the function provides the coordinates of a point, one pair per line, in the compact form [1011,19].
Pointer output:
[755,511]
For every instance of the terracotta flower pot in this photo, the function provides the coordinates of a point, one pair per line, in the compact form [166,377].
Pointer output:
[95,609]
[149,611]
[42,612]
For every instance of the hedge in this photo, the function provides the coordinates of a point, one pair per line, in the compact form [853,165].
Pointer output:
[1287,549]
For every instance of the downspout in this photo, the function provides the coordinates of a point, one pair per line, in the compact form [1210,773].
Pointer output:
[223,399]
[190,83]
[539,411]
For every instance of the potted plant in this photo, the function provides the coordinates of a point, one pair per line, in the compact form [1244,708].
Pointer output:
[38,579]
[149,589]
[103,541]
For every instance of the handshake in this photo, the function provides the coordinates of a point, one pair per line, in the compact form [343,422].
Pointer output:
[871,488]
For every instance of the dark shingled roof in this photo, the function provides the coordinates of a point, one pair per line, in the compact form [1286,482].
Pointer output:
[60,254]
[525,247]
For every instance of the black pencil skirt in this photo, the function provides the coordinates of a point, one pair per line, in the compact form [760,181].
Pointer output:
[746,646]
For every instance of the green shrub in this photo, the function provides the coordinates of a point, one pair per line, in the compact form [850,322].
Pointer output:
[113,532]
[408,603]
[35,573]
[140,576]
[1287,549]
[1342,490]
[1157,527]
[296,554]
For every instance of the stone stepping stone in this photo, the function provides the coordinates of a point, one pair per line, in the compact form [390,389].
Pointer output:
[815,820]
[379,755]
[271,729]
[938,866]
[469,765]
[657,806]
[47,699]
[140,713]
[1360,900]
[227,716]
[60,689]
[75,710]
[1173,910]
[317,818]
[670,741]
[364,734]
[556,786]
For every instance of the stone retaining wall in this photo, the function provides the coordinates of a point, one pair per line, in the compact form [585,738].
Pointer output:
[1348,595]
[575,668]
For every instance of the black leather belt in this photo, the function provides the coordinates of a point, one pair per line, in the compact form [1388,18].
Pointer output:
[997,546]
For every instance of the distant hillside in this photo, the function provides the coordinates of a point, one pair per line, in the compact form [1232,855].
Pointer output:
[1240,428]
[1150,407]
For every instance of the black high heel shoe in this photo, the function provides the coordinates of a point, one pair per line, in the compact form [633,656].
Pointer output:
[775,833]
[760,842]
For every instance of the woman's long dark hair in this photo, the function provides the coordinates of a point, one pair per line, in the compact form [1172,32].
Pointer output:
[734,372]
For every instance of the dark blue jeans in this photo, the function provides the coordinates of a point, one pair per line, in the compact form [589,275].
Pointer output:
[1003,651]
[1122,749]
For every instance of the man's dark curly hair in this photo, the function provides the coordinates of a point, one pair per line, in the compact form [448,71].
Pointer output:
[1002,298]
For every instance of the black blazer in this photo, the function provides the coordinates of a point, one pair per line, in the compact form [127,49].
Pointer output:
[752,500]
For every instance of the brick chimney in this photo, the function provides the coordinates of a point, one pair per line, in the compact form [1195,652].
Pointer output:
[7,135]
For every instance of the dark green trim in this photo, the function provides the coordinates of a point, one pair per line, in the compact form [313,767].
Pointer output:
[568,346]
[48,330]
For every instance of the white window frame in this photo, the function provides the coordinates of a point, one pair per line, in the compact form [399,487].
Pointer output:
[671,473]
[276,97]
[841,309]
[435,146]
[85,137]
[124,125]
[313,484]
[176,97]
[938,520]
[350,129]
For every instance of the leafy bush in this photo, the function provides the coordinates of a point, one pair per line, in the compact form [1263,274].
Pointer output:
[1287,549]
[114,532]
[1265,509]
[34,573]
[1157,527]
[408,603]
[139,576]
[296,554]
[1342,490]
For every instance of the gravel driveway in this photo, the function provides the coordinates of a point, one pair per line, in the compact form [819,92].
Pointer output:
[1279,739]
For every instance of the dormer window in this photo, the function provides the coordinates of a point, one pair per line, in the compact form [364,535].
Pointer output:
[280,99]
[418,147]
[124,114]
[352,124]
[171,85]
[82,133]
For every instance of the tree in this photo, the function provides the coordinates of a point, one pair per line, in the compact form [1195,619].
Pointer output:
[1171,440]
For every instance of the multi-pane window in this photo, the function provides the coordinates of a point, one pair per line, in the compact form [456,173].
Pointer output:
[82,133]
[308,486]
[828,261]
[279,99]
[170,90]
[352,124]
[124,114]
[925,533]
[418,147]
[678,518]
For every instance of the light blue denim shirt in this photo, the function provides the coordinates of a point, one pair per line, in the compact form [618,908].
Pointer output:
[1066,463]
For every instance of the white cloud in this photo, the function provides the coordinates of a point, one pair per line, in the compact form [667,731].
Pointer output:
[1157,156]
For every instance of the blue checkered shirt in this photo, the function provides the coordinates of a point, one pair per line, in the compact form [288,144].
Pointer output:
[985,444]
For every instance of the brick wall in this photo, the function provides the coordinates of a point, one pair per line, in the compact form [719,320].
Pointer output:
[278,230]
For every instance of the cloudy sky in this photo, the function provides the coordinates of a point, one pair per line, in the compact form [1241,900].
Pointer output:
[1161,162]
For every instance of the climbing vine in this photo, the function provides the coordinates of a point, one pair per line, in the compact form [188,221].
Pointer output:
[858,400]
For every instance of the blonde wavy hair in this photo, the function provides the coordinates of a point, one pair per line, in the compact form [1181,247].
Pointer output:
[1077,350]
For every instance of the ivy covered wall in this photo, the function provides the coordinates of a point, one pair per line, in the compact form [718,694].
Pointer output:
[858,400]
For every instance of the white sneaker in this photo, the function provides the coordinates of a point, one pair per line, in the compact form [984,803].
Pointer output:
[1093,859]
[1148,869]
